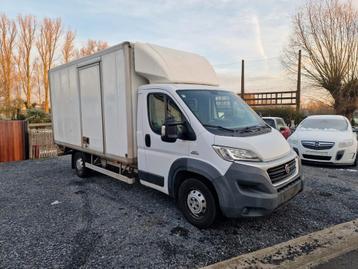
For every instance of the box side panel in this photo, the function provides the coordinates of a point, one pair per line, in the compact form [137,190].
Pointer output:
[115,104]
[136,81]
[65,106]
[90,92]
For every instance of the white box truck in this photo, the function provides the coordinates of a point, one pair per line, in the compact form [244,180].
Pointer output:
[143,112]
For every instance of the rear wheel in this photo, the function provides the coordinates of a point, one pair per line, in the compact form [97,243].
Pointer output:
[197,203]
[79,164]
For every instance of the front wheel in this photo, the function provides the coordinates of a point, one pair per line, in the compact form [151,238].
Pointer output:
[197,202]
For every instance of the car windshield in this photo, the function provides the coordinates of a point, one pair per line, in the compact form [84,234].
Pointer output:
[270,122]
[220,109]
[325,124]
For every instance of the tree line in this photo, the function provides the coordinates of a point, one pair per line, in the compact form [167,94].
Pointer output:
[29,47]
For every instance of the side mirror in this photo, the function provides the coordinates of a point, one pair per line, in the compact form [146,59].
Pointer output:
[169,131]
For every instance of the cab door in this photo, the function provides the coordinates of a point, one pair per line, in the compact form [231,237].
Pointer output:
[159,155]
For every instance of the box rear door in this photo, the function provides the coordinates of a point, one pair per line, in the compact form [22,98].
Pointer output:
[91,107]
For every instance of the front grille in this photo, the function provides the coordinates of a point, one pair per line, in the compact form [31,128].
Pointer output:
[289,185]
[317,145]
[316,157]
[283,171]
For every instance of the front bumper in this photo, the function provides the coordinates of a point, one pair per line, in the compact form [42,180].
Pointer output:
[337,156]
[247,191]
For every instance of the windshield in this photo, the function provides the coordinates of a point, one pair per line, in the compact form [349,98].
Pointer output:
[221,109]
[325,124]
[270,122]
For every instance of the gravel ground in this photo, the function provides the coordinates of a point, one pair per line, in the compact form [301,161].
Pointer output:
[51,218]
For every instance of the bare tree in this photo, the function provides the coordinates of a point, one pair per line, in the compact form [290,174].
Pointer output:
[327,33]
[7,43]
[19,81]
[27,30]
[37,80]
[92,46]
[47,43]
[68,49]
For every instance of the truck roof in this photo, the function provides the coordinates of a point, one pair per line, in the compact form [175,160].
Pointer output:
[164,65]
[160,65]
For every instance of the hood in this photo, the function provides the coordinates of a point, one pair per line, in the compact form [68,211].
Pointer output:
[319,135]
[269,146]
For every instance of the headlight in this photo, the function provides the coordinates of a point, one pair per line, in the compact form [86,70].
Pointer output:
[235,154]
[346,143]
[293,141]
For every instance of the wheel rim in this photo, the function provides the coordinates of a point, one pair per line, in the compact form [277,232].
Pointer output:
[196,203]
[79,164]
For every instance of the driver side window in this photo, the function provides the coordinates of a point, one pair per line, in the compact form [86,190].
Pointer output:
[161,108]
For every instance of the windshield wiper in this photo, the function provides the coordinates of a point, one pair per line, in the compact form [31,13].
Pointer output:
[219,127]
[254,128]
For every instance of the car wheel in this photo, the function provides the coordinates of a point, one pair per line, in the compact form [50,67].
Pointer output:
[197,202]
[79,163]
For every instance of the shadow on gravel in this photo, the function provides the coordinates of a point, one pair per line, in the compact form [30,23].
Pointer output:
[85,239]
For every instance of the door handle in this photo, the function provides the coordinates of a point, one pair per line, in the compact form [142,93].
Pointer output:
[147,140]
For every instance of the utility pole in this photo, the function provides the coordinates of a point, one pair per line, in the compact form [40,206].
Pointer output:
[298,93]
[243,79]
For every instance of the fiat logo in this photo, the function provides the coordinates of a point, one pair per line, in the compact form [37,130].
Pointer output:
[287,169]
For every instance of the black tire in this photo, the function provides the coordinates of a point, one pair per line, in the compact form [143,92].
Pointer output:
[201,195]
[79,164]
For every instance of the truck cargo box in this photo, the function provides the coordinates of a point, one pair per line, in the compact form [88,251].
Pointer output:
[94,99]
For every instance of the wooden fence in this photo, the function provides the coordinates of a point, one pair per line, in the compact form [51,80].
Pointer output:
[12,140]
[285,98]
[41,144]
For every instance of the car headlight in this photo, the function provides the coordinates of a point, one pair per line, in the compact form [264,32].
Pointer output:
[345,143]
[236,154]
[293,141]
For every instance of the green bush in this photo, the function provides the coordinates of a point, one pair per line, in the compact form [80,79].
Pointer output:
[287,113]
[34,115]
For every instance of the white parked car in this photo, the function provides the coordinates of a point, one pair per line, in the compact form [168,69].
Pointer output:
[326,138]
[278,124]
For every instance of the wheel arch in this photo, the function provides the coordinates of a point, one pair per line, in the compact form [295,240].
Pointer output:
[184,168]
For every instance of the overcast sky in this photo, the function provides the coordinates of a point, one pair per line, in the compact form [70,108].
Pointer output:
[224,31]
